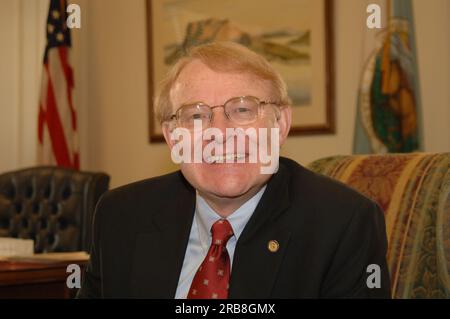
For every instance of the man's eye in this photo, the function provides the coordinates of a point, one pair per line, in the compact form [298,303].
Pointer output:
[242,110]
[196,116]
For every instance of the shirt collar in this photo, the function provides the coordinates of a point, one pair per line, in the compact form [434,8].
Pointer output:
[206,217]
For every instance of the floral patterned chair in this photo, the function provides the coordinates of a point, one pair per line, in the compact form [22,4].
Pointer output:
[414,192]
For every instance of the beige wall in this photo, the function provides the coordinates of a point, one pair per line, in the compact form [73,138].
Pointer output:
[111,77]
[22,42]
[117,103]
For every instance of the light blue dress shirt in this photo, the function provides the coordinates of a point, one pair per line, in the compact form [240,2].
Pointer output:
[200,237]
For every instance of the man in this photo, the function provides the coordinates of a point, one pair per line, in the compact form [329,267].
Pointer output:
[219,227]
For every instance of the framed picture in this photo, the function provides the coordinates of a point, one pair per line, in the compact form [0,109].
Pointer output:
[294,35]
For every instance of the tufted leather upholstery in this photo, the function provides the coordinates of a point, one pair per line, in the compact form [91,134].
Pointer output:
[52,205]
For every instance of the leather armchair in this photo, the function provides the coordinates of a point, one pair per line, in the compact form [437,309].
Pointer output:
[53,206]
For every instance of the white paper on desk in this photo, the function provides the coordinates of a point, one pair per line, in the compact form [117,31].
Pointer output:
[16,247]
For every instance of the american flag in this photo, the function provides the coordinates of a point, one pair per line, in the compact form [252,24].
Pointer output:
[57,122]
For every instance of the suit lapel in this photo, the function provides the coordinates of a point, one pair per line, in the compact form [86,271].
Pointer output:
[255,264]
[159,254]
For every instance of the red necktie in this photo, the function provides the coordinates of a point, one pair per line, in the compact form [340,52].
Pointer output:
[213,275]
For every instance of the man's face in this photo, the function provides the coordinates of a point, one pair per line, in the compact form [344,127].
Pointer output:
[198,83]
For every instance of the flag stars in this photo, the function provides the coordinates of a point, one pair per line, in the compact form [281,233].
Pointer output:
[50,28]
[211,259]
[194,292]
[214,296]
[55,14]
[220,272]
[206,282]
[218,242]
[60,37]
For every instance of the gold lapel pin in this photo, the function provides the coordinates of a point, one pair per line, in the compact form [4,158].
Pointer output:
[273,246]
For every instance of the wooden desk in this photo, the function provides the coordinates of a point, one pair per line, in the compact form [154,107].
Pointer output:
[40,276]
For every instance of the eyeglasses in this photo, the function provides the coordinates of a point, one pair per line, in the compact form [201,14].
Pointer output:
[242,110]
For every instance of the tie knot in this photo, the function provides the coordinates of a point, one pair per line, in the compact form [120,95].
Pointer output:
[221,231]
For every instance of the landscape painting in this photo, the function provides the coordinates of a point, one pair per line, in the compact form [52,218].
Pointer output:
[291,34]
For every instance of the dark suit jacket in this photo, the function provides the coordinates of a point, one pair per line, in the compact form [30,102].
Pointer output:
[327,233]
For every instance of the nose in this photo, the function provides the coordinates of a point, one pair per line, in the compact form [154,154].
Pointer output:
[221,121]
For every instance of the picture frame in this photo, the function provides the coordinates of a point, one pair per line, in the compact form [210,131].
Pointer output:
[297,41]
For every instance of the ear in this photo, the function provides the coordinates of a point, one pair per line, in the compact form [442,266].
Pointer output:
[284,122]
[167,129]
